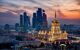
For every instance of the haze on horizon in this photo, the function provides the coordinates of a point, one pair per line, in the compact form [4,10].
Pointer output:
[69,10]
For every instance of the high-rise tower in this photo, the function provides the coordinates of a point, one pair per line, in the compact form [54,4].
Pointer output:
[55,32]
[45,23]
[17,27]
[34,20]
[24,22]
[21,20]
[55,26]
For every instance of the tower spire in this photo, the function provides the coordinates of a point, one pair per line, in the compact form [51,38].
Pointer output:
[55,14]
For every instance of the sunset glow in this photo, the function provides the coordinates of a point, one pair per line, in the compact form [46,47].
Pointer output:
[69,9]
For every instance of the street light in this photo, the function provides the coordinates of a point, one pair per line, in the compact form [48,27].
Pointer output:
[63,47]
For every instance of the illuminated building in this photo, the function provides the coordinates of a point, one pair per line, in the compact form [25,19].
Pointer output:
[55,32]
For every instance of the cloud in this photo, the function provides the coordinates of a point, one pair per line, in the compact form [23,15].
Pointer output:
[16,7]
[76,10]
[78,2]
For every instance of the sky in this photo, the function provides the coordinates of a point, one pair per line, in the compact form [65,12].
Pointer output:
[68,10]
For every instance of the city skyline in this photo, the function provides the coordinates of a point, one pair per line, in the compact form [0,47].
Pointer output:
[67,10]
[40,24]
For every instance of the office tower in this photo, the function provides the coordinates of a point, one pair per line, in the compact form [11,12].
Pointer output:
[21,20]
[21,23]
[34,20]
[17,27]
[39,18]
[24,22]
[45,24]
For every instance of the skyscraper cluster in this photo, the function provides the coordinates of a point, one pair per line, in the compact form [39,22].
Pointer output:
[39,20]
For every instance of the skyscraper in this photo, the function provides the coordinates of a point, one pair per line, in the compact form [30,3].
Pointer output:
[21,20]
[24,22]
[56,33]
[34,20]
[21,23]
[45,24]
[17,27]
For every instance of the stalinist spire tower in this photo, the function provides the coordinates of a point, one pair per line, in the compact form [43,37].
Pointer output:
[55,26]
[55,33]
